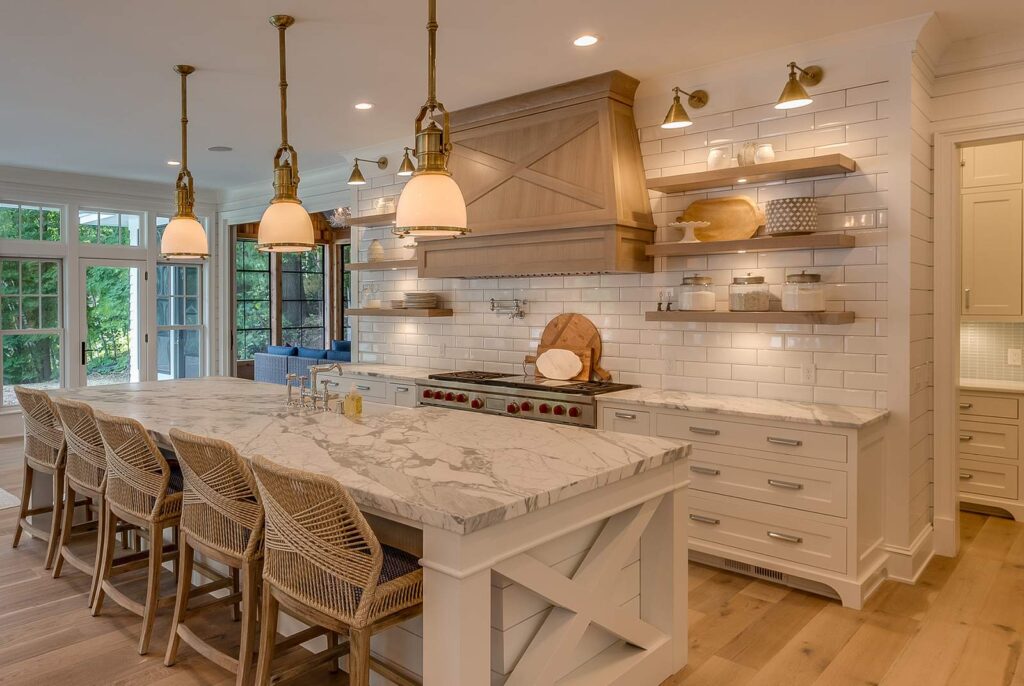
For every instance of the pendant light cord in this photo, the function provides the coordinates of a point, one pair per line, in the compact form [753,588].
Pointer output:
[432,55]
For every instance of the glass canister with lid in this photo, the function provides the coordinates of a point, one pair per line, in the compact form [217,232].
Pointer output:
[748,294]
[696,294]
[803,292]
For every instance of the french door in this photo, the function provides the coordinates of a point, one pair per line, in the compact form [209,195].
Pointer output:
[114,330]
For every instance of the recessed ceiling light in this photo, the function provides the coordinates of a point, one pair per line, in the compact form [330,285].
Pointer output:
[364,105]
[220,148]
[173,163]
[585,41]
[741,180]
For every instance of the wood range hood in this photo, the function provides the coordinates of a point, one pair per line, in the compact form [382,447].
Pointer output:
[553,182]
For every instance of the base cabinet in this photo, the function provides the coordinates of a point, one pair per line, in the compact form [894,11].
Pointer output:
[784,501]
[990,438]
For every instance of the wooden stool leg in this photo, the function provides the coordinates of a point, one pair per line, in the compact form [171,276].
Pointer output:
[107,549]
[250,597]
[65,530]
[55,517]
[27,476]
[101,531]
[235,607]
[268,636]
[359,657]
[156,549]
[332,643]
[181,602]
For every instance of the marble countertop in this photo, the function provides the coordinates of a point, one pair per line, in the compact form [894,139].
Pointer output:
[992,385]
[758,408]
[450,469]
[390,372]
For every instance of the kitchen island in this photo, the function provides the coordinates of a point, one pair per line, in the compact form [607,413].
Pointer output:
[551,554]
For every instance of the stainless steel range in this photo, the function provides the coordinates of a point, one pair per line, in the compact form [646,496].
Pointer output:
[546,400]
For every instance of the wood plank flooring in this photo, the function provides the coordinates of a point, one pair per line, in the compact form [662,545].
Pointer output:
[962,625]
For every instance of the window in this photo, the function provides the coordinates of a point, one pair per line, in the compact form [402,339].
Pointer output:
[252,299]
[106,227]
[29,222]
[302,298]
[31,324]
[179,321]
[346,292]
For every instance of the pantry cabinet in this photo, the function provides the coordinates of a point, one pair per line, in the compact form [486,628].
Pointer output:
[991,255]
[990,450]
[996,164]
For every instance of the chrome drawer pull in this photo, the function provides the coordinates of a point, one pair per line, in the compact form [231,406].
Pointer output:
[966,406]
[966,437]
[402,389]
[966,476]
[624,415]
[785,537]
[703,431]
[362,388]
[704,470]
[791,485]
[785,441]
[704,520]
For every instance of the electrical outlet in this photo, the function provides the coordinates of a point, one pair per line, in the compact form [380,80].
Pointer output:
[1013,357]
[807,373]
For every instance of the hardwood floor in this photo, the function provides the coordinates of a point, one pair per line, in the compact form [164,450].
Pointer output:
[962,625]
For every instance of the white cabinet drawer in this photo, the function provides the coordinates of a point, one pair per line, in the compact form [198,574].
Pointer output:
[375,391]
[767,530]
[988,478]
[626,420]
[403,393]
[779,483]
[991,440]
[824,446]
[988,406]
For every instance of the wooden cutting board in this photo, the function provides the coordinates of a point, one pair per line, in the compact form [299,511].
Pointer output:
[577,333]
[732,219]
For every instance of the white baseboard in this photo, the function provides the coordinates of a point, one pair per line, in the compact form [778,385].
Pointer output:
[907,563]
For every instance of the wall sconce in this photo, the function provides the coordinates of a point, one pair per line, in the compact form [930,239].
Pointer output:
[677,118]
[356,178]
[408,167]
[794,94]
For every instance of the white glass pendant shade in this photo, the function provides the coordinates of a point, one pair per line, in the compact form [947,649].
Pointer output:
[431,204]
[184,238]
[285,227]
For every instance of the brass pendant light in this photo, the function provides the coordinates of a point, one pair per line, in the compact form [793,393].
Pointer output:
[677,118]
[285,226]
[431,203]
[408,167]
[184,237]
[793,93]
[356,178]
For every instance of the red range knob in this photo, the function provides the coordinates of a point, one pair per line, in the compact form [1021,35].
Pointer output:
[462,397]
[512,408]
[526,406]
[544,408]
[477,403]
[559,410]
[428,393]
[574,412]
[449,396]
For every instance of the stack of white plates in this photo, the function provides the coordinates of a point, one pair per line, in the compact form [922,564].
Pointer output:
[421,300]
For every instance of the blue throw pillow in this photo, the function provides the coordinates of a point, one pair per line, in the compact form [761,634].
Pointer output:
[338,356]
[341,346]
[314,353]
[288,350]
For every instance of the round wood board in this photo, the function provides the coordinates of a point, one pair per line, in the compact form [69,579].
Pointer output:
[573,332]
[732,219]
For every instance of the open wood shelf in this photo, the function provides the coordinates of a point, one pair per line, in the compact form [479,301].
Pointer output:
[812,241]
[381,265]
[373,220]
[399,312]
[753,317]
[821,165]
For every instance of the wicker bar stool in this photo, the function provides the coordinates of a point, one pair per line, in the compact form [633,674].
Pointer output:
[139,490]
[324,566]
[222,518]
[45,452]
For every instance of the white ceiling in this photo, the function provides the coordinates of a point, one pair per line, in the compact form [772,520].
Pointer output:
[88,87]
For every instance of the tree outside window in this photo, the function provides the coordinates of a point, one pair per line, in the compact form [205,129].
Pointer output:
[31,324]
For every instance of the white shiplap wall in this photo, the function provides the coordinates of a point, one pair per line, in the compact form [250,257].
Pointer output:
[737,359]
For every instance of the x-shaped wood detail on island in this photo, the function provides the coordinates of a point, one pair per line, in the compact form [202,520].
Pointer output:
[582,600]
[521,168]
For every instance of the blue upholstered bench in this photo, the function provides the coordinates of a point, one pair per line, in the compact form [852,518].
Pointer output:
[274,365]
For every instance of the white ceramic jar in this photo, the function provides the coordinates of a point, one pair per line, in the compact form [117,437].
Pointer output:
[696,294]
[764,153]
[803,292]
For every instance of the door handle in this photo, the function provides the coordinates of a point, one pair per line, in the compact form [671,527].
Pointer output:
[703,431]
[966,476]
[966,406]
[785,537]
[792,442]
[967,298]
[402,389]
[362,388]
[966,437]
[705,520]
[625,415]
[84,350]
[704,470]
[791,485]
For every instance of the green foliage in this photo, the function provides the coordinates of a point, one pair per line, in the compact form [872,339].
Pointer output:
[29,223]
[252,305]
[108,317]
